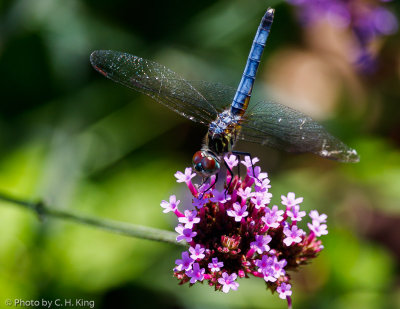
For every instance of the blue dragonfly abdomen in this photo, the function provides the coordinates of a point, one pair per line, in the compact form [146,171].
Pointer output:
[243,93]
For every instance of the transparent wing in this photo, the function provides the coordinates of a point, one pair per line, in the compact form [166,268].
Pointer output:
[219,95]
[281,127]
[156,81]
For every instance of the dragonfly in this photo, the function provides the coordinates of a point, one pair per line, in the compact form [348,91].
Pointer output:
[223,109]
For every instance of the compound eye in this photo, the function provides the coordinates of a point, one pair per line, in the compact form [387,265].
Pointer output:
[208,164]
[197,157]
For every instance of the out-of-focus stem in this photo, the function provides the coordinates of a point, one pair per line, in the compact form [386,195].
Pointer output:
[122,228]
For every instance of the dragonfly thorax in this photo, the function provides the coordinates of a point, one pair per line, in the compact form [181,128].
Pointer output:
[226,122]
[222,132]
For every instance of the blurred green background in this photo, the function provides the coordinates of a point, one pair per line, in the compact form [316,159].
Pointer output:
[83,143]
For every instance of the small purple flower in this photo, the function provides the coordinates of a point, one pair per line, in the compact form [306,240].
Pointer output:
[317,228]
[276,212]
[199,202]
[172,205]
[196,273]
[257,173]
[219,196]
[271,268]
[231,161]
[269,274]
[228,282]
[261,243]
[197,253]
[245,194]
[185,177]
[249,163]
[284,290]
[261,199]
[264,263]
[205,187]
[291,200]
[238,212]
[270,221]
[184,233]
[272,217]
[315,216]
[189,219]
[279,266]
[185,263]
[215,265]
[295,214]
[293,235]
[263,186]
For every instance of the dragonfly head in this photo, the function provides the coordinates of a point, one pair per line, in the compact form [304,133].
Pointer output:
[205,163]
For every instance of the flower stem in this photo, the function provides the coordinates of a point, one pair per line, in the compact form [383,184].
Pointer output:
[122,228]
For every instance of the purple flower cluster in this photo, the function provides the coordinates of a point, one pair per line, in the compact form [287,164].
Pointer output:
[367,19]
[235,233]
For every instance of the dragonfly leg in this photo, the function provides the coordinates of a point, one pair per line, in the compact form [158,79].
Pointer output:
[242,153]
[231,173]
[211,185]
[239,160]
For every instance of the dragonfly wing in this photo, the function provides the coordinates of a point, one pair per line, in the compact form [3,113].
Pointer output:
[156,81]
[219,95]
[281,127]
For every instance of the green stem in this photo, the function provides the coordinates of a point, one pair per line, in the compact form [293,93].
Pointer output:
[122,228]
